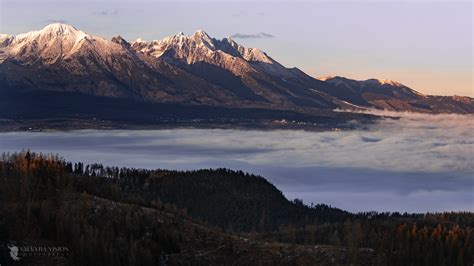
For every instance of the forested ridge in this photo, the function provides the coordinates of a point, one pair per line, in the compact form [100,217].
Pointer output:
[126,216]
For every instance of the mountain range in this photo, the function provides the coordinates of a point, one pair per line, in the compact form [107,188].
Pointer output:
[60,62]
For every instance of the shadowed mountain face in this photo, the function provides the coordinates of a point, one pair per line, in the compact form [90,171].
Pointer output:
[194,70]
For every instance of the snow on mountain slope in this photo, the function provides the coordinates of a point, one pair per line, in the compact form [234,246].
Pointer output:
[200,47]
[55,42]
[59,41]
[5,39]
[247,72]
[385,82]
[61,58]
[190,49]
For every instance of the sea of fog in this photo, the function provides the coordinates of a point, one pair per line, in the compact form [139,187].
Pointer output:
[418,163]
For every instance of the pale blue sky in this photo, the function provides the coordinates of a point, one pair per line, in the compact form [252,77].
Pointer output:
[425,45]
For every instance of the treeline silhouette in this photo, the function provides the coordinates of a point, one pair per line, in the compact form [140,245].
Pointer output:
[41,198]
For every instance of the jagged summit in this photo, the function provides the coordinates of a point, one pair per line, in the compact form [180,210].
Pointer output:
[60,28]
[202,38]
[187,48]
[120,40]
[200,46]
[58,41]
[201,33]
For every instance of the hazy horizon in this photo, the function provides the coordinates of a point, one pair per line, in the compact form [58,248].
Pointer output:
[424,45]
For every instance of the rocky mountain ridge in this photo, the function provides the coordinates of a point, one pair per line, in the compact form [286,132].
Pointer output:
[192,70]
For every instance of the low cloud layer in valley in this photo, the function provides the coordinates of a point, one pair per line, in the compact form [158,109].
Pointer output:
[415,163]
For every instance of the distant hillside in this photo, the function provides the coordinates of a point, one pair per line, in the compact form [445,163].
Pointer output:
[394,96]
[62,111]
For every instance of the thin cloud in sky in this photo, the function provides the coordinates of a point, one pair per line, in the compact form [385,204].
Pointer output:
[56,21]
[252,36]
[106,12]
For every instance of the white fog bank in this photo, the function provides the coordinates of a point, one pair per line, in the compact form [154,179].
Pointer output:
[415,163]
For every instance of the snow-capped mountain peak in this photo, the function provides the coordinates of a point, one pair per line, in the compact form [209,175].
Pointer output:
[56,31]
[139,40]
[385,82]
[190,49]
[57,42]
[202,38]
[54,41]
[392,83]
[257,55]
[193,48]
[62,29]
[249,54]
[60,41]
[372,81]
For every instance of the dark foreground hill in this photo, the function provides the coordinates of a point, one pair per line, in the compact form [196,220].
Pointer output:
[112,216]
[103,232]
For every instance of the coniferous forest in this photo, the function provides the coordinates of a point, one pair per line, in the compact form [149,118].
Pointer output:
[124,216]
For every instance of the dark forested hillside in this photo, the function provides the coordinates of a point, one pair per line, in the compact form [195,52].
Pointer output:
[122,216]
